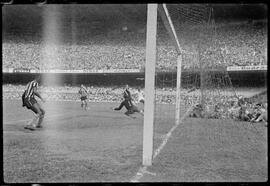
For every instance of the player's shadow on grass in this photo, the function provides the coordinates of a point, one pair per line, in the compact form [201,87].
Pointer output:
[15,127]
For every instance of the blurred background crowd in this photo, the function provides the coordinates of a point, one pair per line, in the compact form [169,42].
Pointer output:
[242,44]
[216,106]
[109,37]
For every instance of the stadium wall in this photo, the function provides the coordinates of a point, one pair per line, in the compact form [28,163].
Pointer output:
[238,78]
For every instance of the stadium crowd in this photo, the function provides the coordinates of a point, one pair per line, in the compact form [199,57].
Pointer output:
[231,107]
[215,106]
[60,93]
[233,45]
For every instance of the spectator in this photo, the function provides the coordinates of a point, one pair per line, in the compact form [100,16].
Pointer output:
[239,45]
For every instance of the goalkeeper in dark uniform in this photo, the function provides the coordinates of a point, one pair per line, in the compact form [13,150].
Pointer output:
[131,108]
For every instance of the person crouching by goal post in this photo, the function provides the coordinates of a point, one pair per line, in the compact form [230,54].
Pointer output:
[83,96]
[29,101]
[131,108]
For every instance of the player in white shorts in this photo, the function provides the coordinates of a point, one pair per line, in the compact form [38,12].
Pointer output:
[140,96]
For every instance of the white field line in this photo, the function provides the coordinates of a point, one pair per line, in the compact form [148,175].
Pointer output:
[143,169]
[23,120]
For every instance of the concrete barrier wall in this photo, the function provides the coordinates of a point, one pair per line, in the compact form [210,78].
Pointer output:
[239,79]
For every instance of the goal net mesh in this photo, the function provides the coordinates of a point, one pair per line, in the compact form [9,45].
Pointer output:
[206,90]
[207,95]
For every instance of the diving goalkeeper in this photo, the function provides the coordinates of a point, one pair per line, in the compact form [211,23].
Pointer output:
[131,108]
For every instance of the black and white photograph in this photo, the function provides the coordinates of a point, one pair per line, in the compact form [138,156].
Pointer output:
[134,93]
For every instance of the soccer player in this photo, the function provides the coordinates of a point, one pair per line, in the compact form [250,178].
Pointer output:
[127,93]
[28,99]
[83,96]
[131,108]
[140,96]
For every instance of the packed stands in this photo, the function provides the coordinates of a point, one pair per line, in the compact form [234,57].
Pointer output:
[240,44]
[242,108]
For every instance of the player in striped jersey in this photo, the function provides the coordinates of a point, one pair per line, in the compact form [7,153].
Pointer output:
[83,96]
[28,99]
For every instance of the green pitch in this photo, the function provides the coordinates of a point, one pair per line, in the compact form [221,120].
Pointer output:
[100,145]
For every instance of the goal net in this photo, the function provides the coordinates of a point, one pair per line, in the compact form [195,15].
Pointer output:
[205,84]
[200,86]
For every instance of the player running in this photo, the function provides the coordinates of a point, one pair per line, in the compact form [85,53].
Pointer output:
[83,96]
[28,99]
[131,108]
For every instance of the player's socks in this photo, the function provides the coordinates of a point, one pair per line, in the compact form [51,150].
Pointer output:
[40,121]
[34,120]
[32,124]
[85,106]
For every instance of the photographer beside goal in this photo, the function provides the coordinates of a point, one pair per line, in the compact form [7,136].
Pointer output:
[260,113]
[242,110]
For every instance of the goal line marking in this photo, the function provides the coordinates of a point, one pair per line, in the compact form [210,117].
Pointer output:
[143,169]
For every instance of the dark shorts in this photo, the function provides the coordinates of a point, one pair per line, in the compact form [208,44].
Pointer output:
[129,111]
[134,109]
[28,103]
[83,98]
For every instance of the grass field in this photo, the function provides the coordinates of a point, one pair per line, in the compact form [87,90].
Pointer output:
[102,145]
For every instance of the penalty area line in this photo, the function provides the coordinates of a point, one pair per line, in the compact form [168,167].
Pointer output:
[143,169]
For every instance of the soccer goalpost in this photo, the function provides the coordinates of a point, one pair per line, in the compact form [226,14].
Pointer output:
[197,80]
[149,83]
[150,76]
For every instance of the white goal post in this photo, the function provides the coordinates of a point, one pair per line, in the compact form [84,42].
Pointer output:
[148,124]
[171,30]
[148,121]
